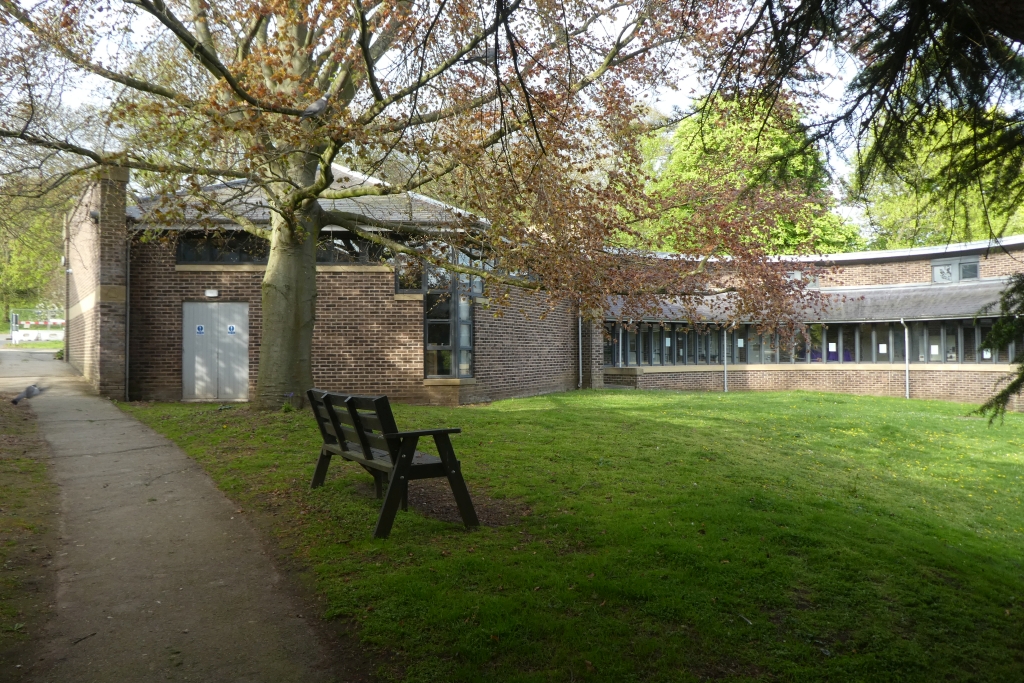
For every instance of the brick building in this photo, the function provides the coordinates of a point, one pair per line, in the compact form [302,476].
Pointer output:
[176,315]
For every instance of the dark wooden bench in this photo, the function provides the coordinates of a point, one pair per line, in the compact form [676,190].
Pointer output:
[362,429]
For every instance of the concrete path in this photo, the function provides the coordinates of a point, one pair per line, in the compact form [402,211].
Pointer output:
[158,578]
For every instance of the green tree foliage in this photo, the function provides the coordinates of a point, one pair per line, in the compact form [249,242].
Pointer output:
[915,202]
[731,146]
[1009,328]
[31,245]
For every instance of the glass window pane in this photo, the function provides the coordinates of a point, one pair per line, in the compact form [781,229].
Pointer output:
[970,344]
[645,344]
[784,351]
[465,336]
[465,307]
[657,343]
[882,345]
[438,363]
[438,278]
[800,349]
[681,338]
[816,334]
[438,305]
[702,349]
[465,363]
[670,354]
[943,273]
[898,344]
[849,333]
[753,345]
[934,342]
[865,344]
[952,347]
[611,343]
[408,273]
[741,345]
[968,271]
[439,334]
[714,347]
[831,342]
[631,346]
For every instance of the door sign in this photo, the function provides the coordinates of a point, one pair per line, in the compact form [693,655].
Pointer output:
[231,329]
[200,329]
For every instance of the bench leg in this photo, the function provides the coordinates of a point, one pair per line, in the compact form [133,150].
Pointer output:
[405,496]
[378,485]
[320,473]
[453,469]
[396,488]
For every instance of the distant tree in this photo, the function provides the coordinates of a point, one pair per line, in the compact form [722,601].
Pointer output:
[31,245]
[914,203]
[729,144]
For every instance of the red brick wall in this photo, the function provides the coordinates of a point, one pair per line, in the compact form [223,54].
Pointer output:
[95,252]
[949,385]
[519,353]
[365,341]
[995,264]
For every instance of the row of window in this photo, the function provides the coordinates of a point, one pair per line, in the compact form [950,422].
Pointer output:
[221,248]
[937,341]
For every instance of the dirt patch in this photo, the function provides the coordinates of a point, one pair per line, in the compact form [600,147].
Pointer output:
[28,509]
[433,498]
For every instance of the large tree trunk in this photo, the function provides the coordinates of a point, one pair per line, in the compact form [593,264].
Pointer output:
[289,307]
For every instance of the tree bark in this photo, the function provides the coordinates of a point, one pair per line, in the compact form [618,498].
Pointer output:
[289,311]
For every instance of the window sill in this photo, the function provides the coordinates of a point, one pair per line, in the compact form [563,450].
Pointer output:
[448,382]
[409,296]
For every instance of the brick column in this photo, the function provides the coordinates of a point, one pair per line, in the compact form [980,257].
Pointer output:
[593,355]
[96,284]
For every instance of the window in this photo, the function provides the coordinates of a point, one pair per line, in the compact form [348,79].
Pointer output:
[970,344]
[670,358]
[883,347]
[898,344]
[867,345]
[611,344]
[953,270]
[849,334]
[631,347]
[817,336]
[753,345]
[714,339]
[681,339]
[448,324]
[951,342]
[222,248]
[831,342]
[741,344]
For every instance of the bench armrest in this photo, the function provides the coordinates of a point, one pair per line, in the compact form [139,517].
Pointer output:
[425,432]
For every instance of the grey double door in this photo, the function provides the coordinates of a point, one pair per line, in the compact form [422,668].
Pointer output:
[215,347]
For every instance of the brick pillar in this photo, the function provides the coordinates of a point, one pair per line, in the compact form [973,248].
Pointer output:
[593,355]
[97,283]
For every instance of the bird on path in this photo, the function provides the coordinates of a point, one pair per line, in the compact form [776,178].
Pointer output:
[314,109]
[30,391]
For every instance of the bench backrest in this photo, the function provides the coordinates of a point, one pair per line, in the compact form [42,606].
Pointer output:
[372,418]
[361,421]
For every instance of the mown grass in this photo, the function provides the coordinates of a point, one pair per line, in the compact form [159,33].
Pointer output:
[38,345]
[28,501]
[672,537]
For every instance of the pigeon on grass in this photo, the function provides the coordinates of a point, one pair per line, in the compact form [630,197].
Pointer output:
[30,391]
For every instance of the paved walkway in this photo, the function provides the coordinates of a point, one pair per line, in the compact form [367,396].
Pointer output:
[157,578]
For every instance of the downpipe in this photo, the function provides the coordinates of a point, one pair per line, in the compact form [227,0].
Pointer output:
[726,350]
[579,347]
[906,358]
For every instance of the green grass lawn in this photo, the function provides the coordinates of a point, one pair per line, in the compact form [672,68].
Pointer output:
[38,345]
[669,537]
